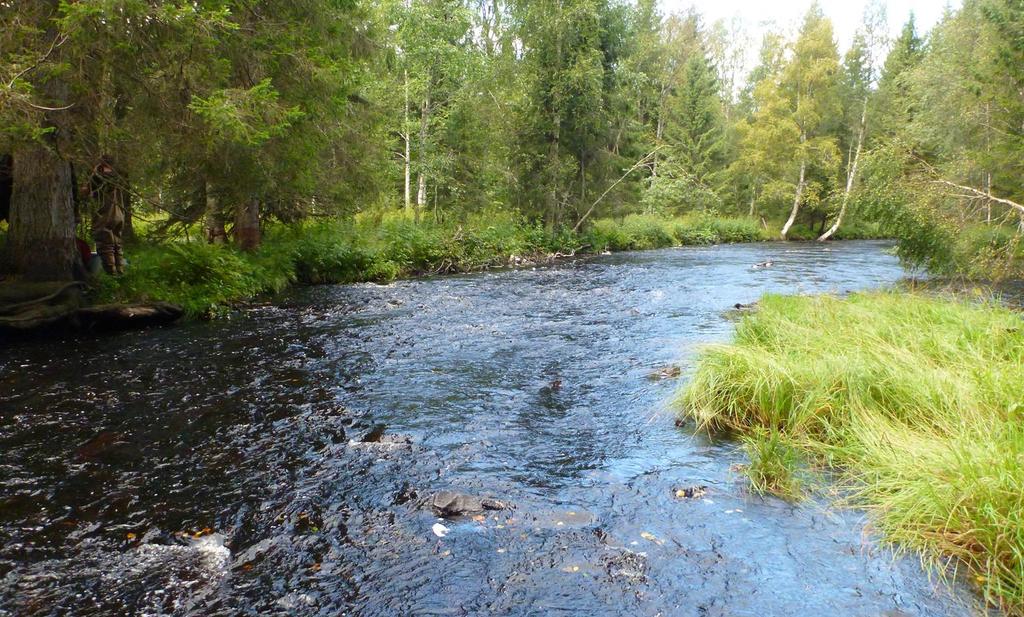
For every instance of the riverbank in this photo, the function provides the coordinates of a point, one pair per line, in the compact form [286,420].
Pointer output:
[207,280]
[914,402]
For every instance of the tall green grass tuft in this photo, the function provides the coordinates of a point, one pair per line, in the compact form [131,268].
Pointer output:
[916,402]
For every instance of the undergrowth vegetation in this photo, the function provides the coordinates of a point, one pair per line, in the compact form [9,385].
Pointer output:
[207,279]
[916,403]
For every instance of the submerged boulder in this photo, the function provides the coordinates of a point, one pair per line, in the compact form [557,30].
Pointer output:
[449,503]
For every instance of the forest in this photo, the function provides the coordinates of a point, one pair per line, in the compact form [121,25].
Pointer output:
[231,120]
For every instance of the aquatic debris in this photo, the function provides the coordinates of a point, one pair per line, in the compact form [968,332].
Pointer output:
[691,492]
[650,537]
[440,530]
[449,504]
[763,264]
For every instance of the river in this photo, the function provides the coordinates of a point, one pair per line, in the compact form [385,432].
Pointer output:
[216,468]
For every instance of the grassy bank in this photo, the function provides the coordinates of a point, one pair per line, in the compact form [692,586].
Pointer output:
[206,279]
[917,403]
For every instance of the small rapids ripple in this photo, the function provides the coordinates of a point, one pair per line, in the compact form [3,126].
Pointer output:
[218,469]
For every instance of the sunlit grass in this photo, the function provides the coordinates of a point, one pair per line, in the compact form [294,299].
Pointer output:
[916,402]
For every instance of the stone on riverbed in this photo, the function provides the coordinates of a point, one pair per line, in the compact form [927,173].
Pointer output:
[691,492]
[449,504]
[377,439]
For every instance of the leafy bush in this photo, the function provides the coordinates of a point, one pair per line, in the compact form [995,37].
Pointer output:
[647,231]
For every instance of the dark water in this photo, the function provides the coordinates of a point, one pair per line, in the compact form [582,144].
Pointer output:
[115,451]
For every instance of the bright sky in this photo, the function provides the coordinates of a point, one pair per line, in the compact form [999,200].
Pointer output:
[846,15]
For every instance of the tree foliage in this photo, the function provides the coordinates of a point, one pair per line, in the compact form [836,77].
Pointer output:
[556,110]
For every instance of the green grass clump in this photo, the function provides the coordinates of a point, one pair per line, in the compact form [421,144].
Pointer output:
[775,465]
[650,231]
[916,402]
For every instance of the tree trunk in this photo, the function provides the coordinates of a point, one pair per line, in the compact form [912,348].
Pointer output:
[551,168]
[796,199]
[554,138]
[40,239]
[850,177]
[408,149]
[658,132]
[213,225]
[128,232]
[583,181]
[40,242]
[247,225]
[988,204]
[421,188]
[6,184]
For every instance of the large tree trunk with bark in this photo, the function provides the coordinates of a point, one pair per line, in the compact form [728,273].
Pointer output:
[247,225]
[40,243]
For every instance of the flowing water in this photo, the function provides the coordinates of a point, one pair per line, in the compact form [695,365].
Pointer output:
[216,468]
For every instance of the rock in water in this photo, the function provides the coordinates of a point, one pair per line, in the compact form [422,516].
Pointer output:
[691,492]
[450,503]
[375,434]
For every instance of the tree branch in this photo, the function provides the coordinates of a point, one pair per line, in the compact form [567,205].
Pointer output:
[635,166]
[978,193]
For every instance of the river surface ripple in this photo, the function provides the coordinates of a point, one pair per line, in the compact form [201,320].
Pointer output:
[212,469]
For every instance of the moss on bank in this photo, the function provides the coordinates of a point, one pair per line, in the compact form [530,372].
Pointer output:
[206,279]
[916,402]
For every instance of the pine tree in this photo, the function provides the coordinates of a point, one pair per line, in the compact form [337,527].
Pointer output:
[893,107]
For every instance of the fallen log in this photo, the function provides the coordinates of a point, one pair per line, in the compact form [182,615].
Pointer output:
[39,307]
[127,316]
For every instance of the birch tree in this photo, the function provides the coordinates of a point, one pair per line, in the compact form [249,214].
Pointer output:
[858,78]
[810,81]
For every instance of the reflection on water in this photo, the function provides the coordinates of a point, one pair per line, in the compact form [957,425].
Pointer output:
[218,469]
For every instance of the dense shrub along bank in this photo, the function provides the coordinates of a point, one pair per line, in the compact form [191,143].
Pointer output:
[915,402]
[205,279]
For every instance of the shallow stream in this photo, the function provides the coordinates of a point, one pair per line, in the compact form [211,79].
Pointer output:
[215,468]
